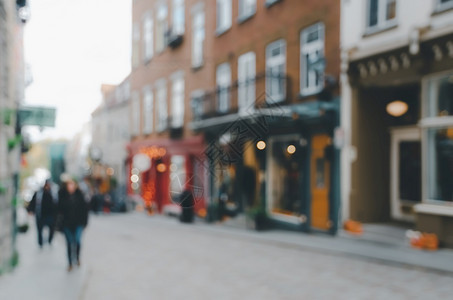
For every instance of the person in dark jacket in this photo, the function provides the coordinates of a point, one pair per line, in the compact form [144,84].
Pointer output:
[73,210]
[44,206]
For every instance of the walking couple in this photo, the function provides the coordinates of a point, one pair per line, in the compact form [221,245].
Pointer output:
[68,211]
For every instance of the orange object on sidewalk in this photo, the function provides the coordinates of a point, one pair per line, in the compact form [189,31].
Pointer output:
[353,227]
[427,241]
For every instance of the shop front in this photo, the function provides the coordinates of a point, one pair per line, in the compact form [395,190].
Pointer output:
[161,170]
[402,136]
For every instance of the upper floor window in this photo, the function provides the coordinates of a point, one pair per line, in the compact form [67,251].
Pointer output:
[147,110]
[275,71]
[135,113]
[247,8]
[246,80]
[312,59]
[381,14]
[198,35]
[443,4]
[224,16]
[177,100]
[178,17]
[270,2]
[148,37]
[135,44]
[161,103]
[161,27]
[223,80]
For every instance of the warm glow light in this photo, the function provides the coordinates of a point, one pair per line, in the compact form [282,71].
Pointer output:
[173,168]
[110,171]
[134,178]
[397,108]
[161,168]
[135,171]
[162,152]
[291,149]
[261,145]
[135,186]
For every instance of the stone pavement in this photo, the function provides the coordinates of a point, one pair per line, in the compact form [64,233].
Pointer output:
[134,256]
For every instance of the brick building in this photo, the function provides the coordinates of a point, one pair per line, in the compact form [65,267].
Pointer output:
[238,99]
[170,65]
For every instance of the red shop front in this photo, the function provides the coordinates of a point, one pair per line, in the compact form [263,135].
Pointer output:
[159,170]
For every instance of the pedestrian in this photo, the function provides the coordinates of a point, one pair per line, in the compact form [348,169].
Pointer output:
[73,210]
[44,206]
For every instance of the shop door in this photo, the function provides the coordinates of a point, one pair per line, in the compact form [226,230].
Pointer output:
[405,168]
[320,182]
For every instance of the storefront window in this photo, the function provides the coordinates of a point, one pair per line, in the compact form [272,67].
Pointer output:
[440,163]
[286,177]
[440,94]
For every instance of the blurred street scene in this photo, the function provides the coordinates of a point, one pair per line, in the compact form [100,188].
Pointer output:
[226,148]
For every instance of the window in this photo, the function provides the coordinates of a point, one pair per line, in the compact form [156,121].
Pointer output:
[197,38]
[443,4]
[275,71]
[135,113]
[270,2]
[223,79]
[381,14]
[177,100]
[148,37]
[438,128]
[161,27]
[246,80]
[147,110]
[135,44]
[196,102]
[247,8]
[312,59]
[178,17]
[161,102]
[223,16]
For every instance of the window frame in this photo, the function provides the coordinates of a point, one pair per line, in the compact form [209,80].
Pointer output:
[439,6]
[429,122]
[224,16]
[177,100]
[178,25]
[275,62]
[308,48]
[245,88]
[148,110]
[223,87]
[198,38]
[161,27]
[161,105]
[148,37]
[246,10]
[136,116]
[382,23]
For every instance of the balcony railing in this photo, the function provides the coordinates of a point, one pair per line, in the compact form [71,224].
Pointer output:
[261,90]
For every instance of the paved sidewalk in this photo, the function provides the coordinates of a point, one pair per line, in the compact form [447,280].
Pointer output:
[383,243]
[41,273]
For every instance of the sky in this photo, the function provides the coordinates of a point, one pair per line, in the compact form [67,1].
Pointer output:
[72,47]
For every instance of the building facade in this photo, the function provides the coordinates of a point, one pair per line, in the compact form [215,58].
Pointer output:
[110,136]
[11,95]
[269,120]
[397,70]
[171,63]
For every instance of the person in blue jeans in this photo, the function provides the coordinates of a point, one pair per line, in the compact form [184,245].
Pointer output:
[44,206]
[73,210]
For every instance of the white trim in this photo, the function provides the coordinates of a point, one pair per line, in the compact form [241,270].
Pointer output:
[398,135]
[272,62]
[434,209]
[382,22]
[310,48]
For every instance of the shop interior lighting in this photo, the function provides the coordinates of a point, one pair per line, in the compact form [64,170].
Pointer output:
[291,149]
[397,108]
[261,145]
